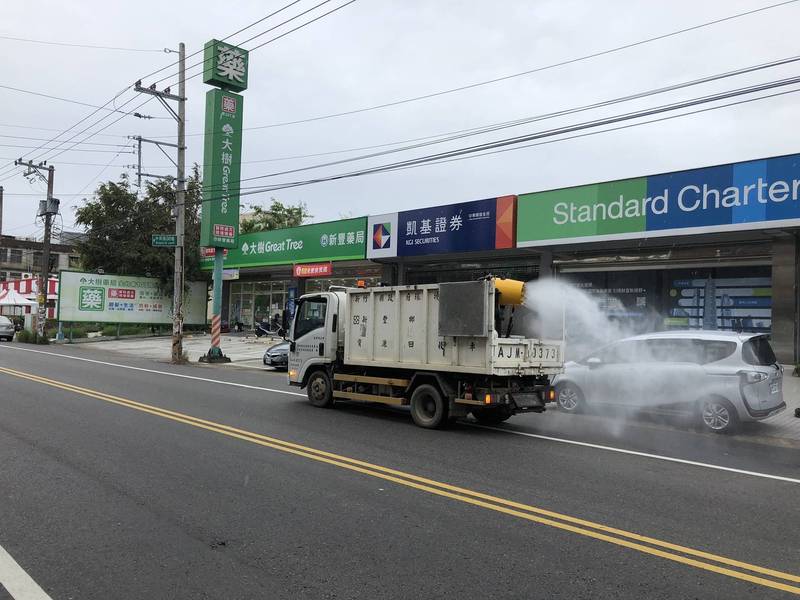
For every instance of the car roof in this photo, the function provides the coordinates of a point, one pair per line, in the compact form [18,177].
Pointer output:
[697,334]
[4,318]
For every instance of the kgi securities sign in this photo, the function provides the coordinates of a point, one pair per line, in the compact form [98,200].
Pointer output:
[748,195]
[466,227]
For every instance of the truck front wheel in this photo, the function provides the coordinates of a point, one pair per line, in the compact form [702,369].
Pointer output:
[320,392]
[428,408]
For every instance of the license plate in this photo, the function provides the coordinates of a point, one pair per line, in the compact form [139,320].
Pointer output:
[774,387]
[544,353]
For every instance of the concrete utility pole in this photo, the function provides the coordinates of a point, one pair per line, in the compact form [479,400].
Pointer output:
[47,209]
[180,196]
[1,210]
[180,191]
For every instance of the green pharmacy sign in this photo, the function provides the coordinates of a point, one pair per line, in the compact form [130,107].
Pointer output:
[225,66]
[222,157]
[320,242]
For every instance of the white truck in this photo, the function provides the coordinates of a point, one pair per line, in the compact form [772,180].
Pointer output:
[445,350]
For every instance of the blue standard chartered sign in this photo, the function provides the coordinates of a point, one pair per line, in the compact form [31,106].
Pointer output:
[748,195]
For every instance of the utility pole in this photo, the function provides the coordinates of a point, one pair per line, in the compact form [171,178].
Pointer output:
[180,196]
[1,210]
[180,191]
[47,209]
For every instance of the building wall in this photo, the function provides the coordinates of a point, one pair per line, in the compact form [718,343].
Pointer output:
[785,299]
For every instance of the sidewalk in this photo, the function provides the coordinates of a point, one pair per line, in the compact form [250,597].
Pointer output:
[243,350]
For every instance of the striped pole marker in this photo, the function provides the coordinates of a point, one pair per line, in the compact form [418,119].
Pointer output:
[216,322]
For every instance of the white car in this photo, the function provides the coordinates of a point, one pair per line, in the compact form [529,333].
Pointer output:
[7,330]
[723,377]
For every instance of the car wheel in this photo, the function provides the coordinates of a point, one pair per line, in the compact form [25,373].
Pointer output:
[491,416]
[428,408]
[718,415]
[320,392]
[569,397]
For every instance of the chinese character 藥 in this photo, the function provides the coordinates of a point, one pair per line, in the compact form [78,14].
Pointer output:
[230,63]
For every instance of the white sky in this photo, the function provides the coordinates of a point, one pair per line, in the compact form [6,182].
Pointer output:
[376,51]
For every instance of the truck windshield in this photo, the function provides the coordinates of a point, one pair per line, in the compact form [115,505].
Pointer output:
[310,316]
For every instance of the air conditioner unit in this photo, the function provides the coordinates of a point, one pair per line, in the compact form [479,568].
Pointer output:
[27,275]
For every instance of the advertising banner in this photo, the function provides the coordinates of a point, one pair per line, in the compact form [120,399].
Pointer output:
[313,270]
[124,299]
[465,227]
[336,240]
[748,195]
[222,160]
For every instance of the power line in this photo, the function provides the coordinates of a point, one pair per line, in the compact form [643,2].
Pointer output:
[253,24]
[483,129]
[521,73]
[515,123]
[22,137]
[401,166]
[68,150]
[117,135]
[49,43]
[316,6]
[529,137]
[127,88]
[78,102]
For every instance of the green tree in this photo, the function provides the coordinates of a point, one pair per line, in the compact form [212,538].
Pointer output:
[119,226]
[277,216]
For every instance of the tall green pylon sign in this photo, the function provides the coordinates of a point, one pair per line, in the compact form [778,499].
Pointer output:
[224,67]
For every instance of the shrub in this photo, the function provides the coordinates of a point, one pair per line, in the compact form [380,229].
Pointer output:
[27,337]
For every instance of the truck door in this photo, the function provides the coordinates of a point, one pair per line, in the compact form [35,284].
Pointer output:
[308,336]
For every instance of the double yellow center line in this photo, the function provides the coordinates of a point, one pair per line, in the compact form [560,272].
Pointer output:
[707,561]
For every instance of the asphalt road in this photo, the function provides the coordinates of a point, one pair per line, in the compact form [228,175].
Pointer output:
[130,483]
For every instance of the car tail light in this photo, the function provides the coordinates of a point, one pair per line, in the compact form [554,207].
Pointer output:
[753,376]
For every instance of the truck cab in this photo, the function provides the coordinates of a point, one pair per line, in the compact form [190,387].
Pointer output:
[314,335]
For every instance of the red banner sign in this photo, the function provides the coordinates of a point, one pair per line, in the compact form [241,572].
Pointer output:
[314,270]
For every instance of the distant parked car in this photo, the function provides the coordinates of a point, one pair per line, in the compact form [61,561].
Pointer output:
[7,329]
[724,378]
[277,356]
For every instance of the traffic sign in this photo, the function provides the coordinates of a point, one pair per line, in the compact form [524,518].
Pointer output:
[164,240]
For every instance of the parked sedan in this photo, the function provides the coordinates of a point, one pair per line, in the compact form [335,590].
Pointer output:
[277,356]
[724,378]
[6,329]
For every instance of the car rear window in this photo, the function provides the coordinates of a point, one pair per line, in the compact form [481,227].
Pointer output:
[757,351]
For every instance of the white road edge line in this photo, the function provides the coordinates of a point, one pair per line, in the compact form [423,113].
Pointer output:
[16,581]
[498,429]
[110,364]
[682,461]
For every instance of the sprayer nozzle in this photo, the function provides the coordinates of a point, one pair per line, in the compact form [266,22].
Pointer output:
[511,291]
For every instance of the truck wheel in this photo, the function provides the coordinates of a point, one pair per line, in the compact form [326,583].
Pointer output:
[428,408]
[320,392]
[491,416]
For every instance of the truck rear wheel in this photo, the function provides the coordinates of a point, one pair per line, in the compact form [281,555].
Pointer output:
[320,392]
[428,408]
